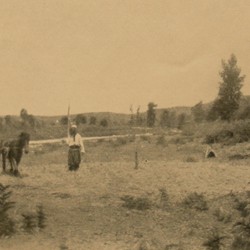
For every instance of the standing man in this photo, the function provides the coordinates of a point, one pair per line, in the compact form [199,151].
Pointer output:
[76,147]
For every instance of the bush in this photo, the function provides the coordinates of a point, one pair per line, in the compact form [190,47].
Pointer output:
[139,203]
[214,240]
[196,201]
[41,217]
[7,225]
[219,136]
[235,132]
[222,215]
[243,206]
[29,222]
[241,235]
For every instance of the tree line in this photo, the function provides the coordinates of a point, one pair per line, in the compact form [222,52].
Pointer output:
[23,121]
[226,105]
[82,119]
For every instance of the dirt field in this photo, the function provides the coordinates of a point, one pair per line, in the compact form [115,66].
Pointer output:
[85,210]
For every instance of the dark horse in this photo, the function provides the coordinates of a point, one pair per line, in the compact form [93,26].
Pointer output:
[13,151]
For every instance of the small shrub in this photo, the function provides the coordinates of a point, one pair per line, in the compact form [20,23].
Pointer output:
[243,206]
[222,215]
[41,217]
[214,240]
[241,235]
[196,201]
[139,203]
[243,227]
[7,225]
[29,222]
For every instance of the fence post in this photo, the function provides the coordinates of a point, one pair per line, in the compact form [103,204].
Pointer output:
[136,160]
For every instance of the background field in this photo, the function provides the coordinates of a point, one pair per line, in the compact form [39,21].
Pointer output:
[87,209]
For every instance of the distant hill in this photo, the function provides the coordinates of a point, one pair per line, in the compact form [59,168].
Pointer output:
[123,119]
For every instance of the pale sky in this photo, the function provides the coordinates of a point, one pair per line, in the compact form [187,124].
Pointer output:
[108,54]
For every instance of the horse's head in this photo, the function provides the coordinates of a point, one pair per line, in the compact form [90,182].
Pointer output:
[25,139]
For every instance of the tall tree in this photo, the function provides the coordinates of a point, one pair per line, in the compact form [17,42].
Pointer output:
[229,94]
[151,114]
[24,114]
[28,119]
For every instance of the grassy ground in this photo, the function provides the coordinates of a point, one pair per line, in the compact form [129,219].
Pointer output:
[92,208]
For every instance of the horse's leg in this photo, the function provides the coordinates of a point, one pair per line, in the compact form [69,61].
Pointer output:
[11,164]
[14,167]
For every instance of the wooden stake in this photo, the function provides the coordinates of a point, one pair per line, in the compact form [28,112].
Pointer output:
[136,160]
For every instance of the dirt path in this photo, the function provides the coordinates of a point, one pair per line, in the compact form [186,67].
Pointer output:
[86,138]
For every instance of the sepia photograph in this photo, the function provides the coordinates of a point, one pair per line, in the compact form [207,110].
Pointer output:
[125,125]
